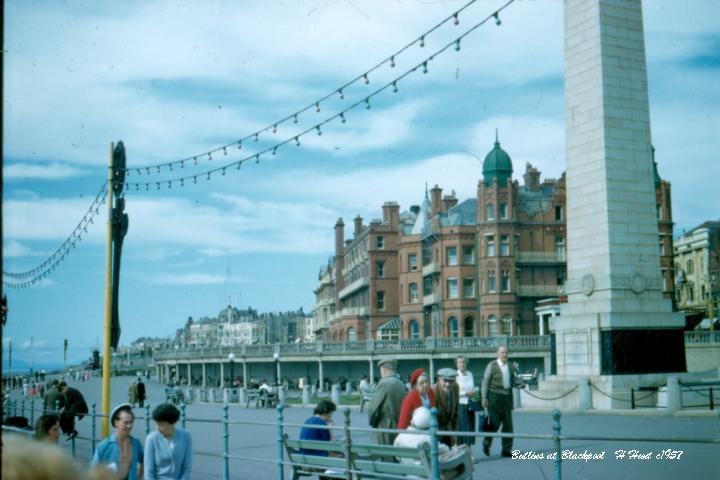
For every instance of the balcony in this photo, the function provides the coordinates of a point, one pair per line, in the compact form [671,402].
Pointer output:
[540,257]
[430,269]
[354,311]
[539,291]
[431,299]
[362,282]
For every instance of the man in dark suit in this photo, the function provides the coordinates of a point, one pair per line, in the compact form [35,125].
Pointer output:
[74,405]
[447,397]
[499,379]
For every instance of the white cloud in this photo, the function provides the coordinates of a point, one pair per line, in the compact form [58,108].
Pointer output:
[13,249]
[36,343]
[51,171]
[191,279]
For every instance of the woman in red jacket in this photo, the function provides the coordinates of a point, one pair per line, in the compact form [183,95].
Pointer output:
[420,395]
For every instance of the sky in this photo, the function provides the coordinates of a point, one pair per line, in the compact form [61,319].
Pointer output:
[175,80]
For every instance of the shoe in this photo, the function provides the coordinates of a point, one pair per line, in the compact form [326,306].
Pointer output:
[506,454]
[72,435]
[486,450]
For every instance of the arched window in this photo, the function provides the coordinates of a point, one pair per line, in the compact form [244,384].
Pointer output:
[352,334]
[453,331]
[507,325]
[469,327]
[413,329]
[492,326]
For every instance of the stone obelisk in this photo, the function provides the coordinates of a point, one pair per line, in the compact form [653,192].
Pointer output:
[616,329]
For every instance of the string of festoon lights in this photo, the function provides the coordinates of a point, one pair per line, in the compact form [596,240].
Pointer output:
[31,277]
[317,128]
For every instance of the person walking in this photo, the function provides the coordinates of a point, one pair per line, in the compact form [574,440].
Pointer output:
[121,452]
[168,451]
[499,379]
[447,396]
[468,395]
[420,395]
[384,408]
[141,393]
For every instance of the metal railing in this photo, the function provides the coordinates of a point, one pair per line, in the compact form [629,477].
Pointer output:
[349,472]
[414,345]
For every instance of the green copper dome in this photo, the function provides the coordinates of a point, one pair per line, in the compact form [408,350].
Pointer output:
[497,165]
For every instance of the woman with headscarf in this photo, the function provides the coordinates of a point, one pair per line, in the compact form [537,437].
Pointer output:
[420,395]
[120,452]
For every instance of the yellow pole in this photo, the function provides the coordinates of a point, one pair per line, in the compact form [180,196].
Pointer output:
[105,430]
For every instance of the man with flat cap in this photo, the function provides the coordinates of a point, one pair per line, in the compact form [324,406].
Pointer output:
[447,397]
[384,408]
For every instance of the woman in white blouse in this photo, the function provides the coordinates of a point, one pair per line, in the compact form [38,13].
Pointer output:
[466,418]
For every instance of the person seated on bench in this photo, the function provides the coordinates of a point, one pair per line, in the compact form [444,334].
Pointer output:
[322,415]
[267,394]
[420,423]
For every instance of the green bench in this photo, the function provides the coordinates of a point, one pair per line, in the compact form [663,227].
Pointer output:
[371,461]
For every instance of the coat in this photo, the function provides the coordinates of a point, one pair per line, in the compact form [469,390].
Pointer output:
[447,412]
[384,408]
[410,403]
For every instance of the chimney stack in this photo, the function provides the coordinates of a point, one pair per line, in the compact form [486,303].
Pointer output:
[339,237]
[435,202]
[391,215]
[358,226]
[449,201]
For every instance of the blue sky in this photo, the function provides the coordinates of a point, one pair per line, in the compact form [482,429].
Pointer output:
[175,79]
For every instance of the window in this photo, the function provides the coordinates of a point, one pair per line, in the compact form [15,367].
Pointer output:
[380,295]
[661,246]
[560,247]
[491,281]
[490,211]
[504,245]
[690,267]
[492,326]
[691,293]
[427,288]
[414,329]
[468,255]
[352,335]
[503,211]
[426,254]
[453,331]
[468,287]
[469,327]
[451,254]
[379,242]
[659,212]
[380,269]
[505,281]
[558,213]
[452,288]
[490,239]
[413,293]
[507,325]
[412,262]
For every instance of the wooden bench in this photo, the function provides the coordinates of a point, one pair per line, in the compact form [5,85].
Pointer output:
[371,461]
[252,395]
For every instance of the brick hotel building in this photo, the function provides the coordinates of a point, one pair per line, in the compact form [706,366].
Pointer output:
[489,265]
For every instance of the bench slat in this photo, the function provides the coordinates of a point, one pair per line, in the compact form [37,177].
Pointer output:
[377,466]
[316,461]
[385,450]
[315,445]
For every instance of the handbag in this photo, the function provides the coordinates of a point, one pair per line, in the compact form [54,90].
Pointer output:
[485,424]
[474,405]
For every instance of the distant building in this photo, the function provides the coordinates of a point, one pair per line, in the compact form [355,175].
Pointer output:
[697,263]
[473,268]
[324,311]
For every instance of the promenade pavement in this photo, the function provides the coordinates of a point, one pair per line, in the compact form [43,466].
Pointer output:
[258,443]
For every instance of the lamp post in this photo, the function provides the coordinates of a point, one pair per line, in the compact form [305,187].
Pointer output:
[231,357]
[276,358]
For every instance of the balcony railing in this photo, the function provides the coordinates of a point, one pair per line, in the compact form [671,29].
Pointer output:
[702,337]
[431,299]
[361,282]
[540,257]
[539,290]
[355,311]
[431,268]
